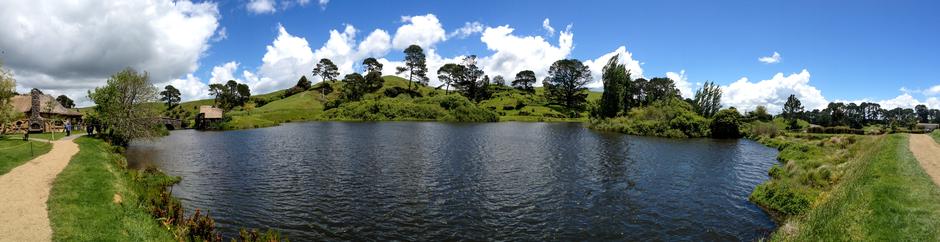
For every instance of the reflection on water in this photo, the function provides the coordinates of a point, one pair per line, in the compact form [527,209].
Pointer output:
[443,181]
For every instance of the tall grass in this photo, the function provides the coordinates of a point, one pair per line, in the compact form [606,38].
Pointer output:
[884,196]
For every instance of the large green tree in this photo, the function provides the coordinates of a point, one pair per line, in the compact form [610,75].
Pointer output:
[525,81]
[122,106]
[923,114]
[171,96]
[616,78]
[708,99]
[415,66]
[566,83]
[467,78]
[7,91]
[230,95]
[326,70]
[792,110]
[355,87]
[373,78]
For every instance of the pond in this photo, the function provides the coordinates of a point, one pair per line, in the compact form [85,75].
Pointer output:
[448,181]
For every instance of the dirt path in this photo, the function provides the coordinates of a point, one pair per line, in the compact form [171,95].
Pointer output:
[24,191]
[927,152]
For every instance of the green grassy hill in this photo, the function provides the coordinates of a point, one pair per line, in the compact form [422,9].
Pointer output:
[434,104]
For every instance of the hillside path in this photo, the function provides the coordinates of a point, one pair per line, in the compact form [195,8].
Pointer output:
[927,152]
[25,190]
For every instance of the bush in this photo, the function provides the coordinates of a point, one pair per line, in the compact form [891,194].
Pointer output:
[780,198]
[673,119]
[726,124]
[444,108]
[834,130]
[758,129]
[395,91]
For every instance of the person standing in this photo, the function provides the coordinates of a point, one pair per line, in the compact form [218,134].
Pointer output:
[68,128]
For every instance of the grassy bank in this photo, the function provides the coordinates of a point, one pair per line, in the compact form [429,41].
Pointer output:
[843,188]
[14,152]
[96,199]
[936,135]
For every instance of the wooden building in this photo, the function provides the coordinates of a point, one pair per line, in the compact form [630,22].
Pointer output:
[207,116]
[39,112]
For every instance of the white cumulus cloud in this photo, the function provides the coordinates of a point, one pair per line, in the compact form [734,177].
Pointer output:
[625,57]
[682,83]
[261,6]
[424,31]
[513,53]
[772,59]
[469,28]
[773,93]
[73,46]
[547,26]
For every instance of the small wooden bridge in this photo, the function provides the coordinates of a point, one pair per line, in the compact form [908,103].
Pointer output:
[171,123]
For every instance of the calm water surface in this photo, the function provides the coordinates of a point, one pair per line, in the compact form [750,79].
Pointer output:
[443,181]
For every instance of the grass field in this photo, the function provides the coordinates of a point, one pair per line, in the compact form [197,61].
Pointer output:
[82,203]
[884,196]
[936,135]
[14,152]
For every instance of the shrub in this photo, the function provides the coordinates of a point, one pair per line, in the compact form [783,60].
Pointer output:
[673,119]
[726,124]
[395,91]
[780,198]
[834,130]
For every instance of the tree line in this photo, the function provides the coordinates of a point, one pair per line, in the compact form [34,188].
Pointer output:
[860,115]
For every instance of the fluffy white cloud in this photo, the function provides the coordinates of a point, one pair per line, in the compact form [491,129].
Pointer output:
[773,93]
[73,46]
[424,31]
[547,26]
[934,90]
[625,57]
[224,73]
[323,3]
[469,28]
[286,59]
[513,53]
[261,6]
[191,88]
[682,83]
[772,59]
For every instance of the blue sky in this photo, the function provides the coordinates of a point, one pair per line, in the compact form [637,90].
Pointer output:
[850,50]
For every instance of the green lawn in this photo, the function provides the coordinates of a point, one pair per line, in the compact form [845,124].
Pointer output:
[51,136]
[82,207]
[14,152]
[936,135]
[884,196]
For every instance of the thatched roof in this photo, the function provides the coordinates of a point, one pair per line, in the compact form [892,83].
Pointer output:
[22,104]
[210,112]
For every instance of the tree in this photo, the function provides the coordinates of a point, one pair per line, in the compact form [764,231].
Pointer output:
[374,80]
[792,110]
[302,85]
[923,114]
[708,99]
[249,106]
[498,80]
[122,106]
[171,96]
[726,124]
[566,83]
[355,88]
[466,78]
[449,74]
[326,70]
[230,95]
[658,88]
[615,77]
[760,113]
[415,66]
[7,91]
[934,116]
[525,81]
[65,101]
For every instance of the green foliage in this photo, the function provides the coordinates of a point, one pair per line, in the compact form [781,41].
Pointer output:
[708,100]
[884,196]
[395,91]
[760,114]
[781,198]
[444,107]
[67,102]
[170,95]
[230,95]
[726,124]
[566,83]
[673,119]
[415,66]
[326,70]
[302,85]
[834,130]
[525,81]
[7,90]
[760,129]
[467,78]
[792,109]
[355,87]
[616,80]
[122,106]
